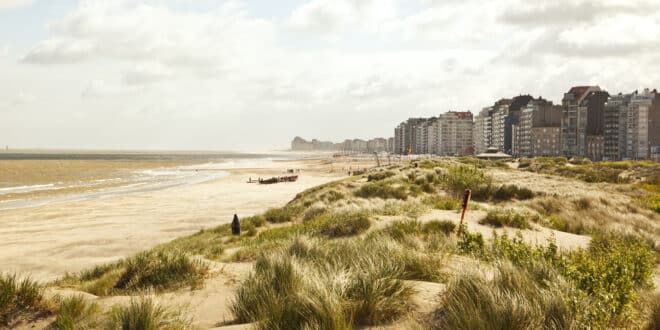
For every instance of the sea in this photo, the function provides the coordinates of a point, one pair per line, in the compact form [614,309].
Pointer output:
[201,167]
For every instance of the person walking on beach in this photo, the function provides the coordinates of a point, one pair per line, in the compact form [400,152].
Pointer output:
[235,226]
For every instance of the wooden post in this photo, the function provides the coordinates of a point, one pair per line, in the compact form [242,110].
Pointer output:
[466,201]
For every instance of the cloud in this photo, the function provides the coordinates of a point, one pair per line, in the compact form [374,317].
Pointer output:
[329,17]
[13,4]
[152,32]
[159,67]
[544,13]
[16,101]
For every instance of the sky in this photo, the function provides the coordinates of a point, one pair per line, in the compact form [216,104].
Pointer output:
[249,75]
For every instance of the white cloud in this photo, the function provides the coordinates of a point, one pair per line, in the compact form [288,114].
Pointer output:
[330,17]
[220,73]
[12,4]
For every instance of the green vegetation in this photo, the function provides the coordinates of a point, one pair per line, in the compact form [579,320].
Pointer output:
[508,218]
[75,313]
[442,202]
[280,215]
[332,285]
[343,224]
[461,177]
[157,270]
[511,300]
[145,314]
[439,226]
[382,189]
[602,282]
[21,299]
[380,175]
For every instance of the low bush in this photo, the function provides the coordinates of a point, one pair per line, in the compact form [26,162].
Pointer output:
[471,243]
[256,220]
[459,178]
[611,271]
[382,189]
[442,202]
[380,175]
[313,212]
[146,314]
[75,313]
[439,226]
[653,322]
[583,203]
[280,215]
[508,218]
[511,300]
[161,271]
[332,196]
[21,299]
[343,224]
[319,284]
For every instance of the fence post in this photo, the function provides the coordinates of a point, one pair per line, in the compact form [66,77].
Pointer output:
[466,201]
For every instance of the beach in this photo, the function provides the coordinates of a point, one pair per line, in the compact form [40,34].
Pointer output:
[68,234]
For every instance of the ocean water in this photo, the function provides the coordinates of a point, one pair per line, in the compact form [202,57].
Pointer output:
[205,167]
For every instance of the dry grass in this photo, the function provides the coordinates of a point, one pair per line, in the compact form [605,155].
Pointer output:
[21,299]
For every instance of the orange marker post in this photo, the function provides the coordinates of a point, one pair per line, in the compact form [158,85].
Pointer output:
[466,201]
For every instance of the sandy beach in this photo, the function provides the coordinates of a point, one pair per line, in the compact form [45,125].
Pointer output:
[67,236]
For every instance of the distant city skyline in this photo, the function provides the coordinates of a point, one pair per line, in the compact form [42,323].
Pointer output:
[249,75]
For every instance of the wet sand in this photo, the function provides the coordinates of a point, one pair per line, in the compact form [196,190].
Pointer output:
[47,241]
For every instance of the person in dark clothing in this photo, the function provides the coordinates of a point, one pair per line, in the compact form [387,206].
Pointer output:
[235,226]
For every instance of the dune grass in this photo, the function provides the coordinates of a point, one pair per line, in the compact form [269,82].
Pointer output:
[75,312]
[321,284]
[149,270]
[146,314]
[508,218]
[21,299]
[603,281]
[511,300]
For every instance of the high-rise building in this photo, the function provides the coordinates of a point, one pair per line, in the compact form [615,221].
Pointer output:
[582,122]
[405,136]
[640,113]
[538,130]
[499,114]
[615,118]
[482,131]
[455,134]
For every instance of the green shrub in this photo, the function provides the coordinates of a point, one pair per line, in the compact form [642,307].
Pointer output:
[21,299]
[75,313]
[249,229]
[583,203]
[377,295]
[380,175]
[654,316]
[464,177]
[439,226]
[280,215]
[471,243]
[256,220]
[332,196]
[382,189]
[511,300]
[610,272]
[319,284]
[160,271]
[509,218]
[145,314]
[442,203]
[313,212]
[343,224]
